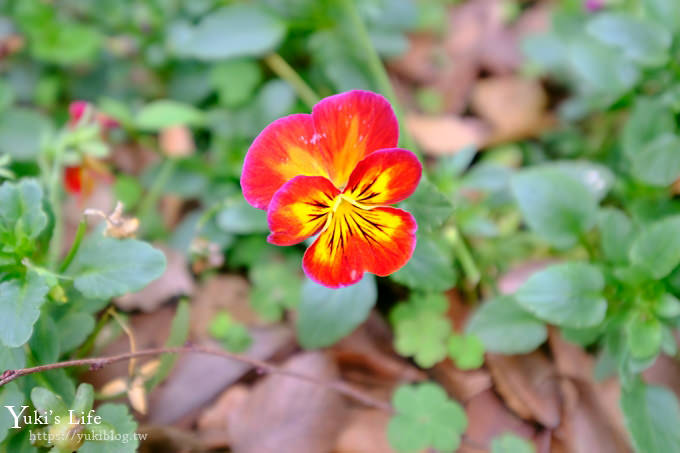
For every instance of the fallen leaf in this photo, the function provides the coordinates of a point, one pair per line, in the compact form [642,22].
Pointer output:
[528,385]
[514,107]
[439,135]
[462,385]
[585,425]
[207,376]
[489,418]
[175,281]
[288,415]
[577,366]
[665,372]
[219,294]
[360,351]
[418,62]
[212,424]
[365,433]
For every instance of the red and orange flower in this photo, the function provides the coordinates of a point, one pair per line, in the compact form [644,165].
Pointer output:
[335,172]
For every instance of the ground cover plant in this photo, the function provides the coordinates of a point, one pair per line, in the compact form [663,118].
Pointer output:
[407,225]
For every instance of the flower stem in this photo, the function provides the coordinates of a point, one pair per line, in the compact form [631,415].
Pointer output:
[377,68]
[54,190]
[464,255]
[151,199]
[281,68]
[80,233]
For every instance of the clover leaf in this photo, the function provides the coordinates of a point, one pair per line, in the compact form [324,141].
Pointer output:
[425,417]
[421,329]
[467,351]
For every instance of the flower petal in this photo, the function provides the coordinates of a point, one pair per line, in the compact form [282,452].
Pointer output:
[352,125]
[282,151]
[385,177]
[299,209]
[380,241]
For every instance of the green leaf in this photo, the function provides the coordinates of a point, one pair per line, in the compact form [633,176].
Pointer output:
[511,443]
[425,418]
[668,306]
[10,395]
[241,218]
[20,302]
[560,216]
[236,80]
[179,333]
[467,351]
[21,208]
[46,401]
[164,113]
[597,178]
[276,287]
[428,205]
[640,40]
[421,328]
[601,68]
[65,43]
[84,399]
[648,120]
[652,417]
[234,336]
[568,294]
[644,335]
[657,247]
[128,190]
[326,315]
[505,328]
[665,12]
[22,132]
[74,328]
[118,417]
[616,234]
[105,267]
[657,164]
[430,268]
[43,345]
[240,30]
[11,358]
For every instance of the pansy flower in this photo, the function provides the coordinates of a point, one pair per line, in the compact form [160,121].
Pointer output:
[334,173]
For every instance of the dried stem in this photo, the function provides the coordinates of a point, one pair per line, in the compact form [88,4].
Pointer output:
[266,367]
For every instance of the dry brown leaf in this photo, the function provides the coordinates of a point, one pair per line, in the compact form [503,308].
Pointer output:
[366,432]
[197,379]
[528,384]
[454,83]
[176,141]
[288,415]
[439,135]
[463,385]
[665,372]
[418,62]
[133,159]
[212,424]
[514,107]
[175,281]
[585,426]
[572,362]
[217,294]
[360,351]
[489,418]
